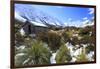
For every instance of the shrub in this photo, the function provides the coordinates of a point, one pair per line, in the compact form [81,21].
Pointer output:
[66,36]
[38,53]
[63,55]
[19,39]
[82,57]
[42,36]
[87,39]
[75,41]
[85,31]
[89,48]
[54,40]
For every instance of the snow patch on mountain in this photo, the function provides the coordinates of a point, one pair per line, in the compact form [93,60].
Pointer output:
[18,17]
[87,23]
[32,14]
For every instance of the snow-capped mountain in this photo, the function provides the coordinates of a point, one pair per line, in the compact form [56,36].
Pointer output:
[88,23]
[30,13]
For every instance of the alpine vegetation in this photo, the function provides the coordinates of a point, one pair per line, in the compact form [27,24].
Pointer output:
[53,35]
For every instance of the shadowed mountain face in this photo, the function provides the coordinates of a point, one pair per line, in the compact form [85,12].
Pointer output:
[35,16]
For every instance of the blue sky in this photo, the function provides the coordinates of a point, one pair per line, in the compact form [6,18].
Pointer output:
[67,15]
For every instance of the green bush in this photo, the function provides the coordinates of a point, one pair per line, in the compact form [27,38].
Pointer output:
[89,48]
[19,39]
[66,36]
[87,39]
[38,53]
[54,40]
[85,31]
[63,55]
[82,57]
[75,41]
[42,36]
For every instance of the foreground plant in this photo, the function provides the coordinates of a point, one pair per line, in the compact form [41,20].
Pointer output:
[38,53]
[63,55]
[82,57]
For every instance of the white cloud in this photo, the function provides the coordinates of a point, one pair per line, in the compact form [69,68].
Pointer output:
[85,22]
[85,18]
[91,10]
[69,19]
